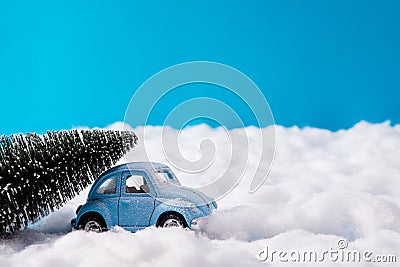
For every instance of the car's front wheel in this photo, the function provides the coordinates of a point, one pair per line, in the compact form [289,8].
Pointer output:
[172,220]
[93,224]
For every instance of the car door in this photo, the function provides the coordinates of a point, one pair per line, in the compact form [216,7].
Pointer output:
[135,204]
[105,198]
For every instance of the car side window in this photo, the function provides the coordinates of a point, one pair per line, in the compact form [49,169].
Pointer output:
[109,186]
[136,184]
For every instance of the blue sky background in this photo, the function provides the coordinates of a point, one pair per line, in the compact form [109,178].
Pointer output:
[325,64]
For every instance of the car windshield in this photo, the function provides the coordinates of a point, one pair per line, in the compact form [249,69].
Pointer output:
[165,177]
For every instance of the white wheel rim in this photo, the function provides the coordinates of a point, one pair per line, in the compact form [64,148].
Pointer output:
[172,223]
[93,226]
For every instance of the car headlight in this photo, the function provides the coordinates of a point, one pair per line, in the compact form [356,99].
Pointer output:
[193,208]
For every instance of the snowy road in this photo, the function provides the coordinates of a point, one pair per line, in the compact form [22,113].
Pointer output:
[325,190]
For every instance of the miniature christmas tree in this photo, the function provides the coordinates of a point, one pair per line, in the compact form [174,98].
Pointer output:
[40,173]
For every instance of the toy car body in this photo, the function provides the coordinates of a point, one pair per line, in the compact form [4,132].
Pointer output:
[140,194]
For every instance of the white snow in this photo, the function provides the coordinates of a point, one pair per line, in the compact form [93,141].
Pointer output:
[324,186]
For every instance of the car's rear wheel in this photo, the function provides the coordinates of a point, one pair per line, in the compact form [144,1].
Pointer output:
[172,220]
[93,223]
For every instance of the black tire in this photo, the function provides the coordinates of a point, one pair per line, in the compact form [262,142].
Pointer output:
[93,223]
[172,220]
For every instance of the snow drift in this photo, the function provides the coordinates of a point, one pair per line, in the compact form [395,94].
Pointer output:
[323,187]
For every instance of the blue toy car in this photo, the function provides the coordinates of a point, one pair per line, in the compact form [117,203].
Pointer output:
[140,194]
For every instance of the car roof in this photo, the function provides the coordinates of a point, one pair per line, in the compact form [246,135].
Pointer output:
[148,166]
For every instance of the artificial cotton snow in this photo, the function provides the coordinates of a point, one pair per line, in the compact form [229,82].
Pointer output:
[323,187]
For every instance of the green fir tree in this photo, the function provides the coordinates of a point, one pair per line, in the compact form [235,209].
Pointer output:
[39,173]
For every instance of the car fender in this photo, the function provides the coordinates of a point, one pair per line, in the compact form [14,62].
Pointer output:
[164,207]
[100,208]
